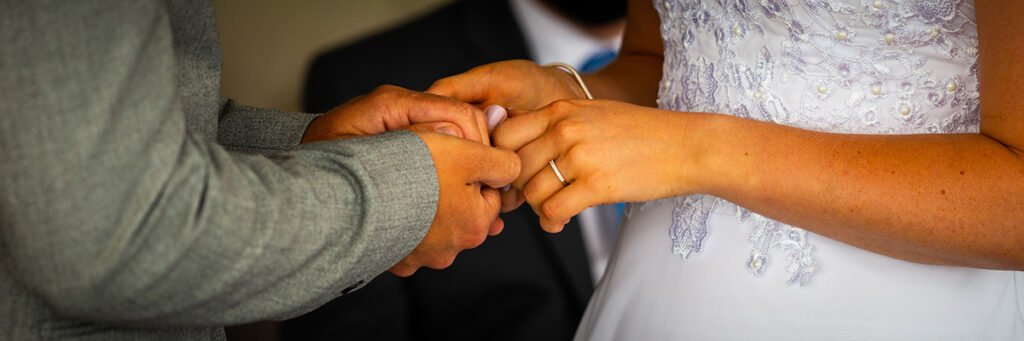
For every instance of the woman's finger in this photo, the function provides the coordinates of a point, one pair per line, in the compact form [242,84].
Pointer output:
[522,127]
[519,129]
[511,82]
[541,187]
[567,203]
[513,112]
[534,158]
[495,115]
[473,86]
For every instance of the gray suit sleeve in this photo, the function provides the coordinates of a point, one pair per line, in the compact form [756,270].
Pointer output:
[112,211]
[261,130]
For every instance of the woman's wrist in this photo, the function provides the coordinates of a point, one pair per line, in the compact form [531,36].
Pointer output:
[697,159]
[566,82]
[575,75]
[725,161]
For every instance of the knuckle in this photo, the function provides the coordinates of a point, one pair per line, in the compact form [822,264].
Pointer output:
[480,223]
[562,106]
[400,271]
[406,267]
[475,232]
[441,262]
[385,91]
[487,70]
[458,109]
[443,83]
[524,64]
[566,130]
[550,209]
[474,239]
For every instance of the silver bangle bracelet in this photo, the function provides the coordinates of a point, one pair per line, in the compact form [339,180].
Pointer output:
[572,71]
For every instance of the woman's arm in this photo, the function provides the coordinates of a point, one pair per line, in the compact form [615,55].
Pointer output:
[937,199]
[633,76]
[942,199]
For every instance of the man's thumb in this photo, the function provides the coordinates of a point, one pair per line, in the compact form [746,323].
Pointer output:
[437,127]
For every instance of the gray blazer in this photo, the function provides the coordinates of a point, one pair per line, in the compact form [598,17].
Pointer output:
[135,203]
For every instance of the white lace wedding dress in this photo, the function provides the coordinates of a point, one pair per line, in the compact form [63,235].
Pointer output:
[699,267]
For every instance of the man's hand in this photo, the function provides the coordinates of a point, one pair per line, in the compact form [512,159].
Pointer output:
[516,84]
[468,171]
[468,203]
[392,108]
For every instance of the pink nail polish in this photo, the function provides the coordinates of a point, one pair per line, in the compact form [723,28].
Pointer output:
[495,114]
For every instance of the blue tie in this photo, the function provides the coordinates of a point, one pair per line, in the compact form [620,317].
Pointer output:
[597,61]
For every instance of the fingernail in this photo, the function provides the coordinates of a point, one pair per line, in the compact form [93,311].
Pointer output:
[566,222]
[495,114]
[447,130]
[506,188]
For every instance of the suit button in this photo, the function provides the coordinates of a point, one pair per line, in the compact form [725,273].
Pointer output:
[353,287]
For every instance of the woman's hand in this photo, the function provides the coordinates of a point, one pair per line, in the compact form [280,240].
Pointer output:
[607,152]
[516,84]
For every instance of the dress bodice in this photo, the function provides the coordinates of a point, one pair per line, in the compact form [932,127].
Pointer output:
[847,66]
[843,66]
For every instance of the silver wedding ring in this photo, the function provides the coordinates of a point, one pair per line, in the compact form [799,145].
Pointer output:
[557,172]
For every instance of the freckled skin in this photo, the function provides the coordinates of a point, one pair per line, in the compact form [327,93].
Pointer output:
[808,178]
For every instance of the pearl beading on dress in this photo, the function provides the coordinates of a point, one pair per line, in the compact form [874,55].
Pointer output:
[845,66]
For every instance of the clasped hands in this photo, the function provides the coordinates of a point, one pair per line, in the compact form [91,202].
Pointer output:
[601,148]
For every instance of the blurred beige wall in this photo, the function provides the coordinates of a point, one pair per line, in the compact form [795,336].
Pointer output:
[268,44]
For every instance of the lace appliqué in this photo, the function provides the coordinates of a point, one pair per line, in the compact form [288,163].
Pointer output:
[689,230]
[689,226]
[770,234]
[845,66]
